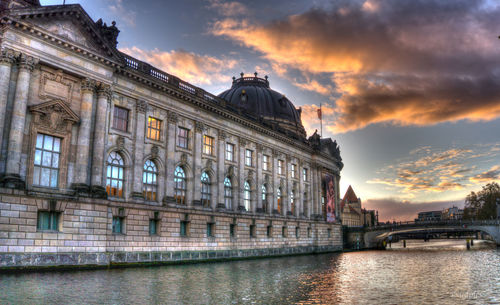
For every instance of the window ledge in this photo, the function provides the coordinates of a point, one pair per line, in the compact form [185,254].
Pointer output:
[181,149]
[120,132]
[48,231]
[211,157]
[160,142]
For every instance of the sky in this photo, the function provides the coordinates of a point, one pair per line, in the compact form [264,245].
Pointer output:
[410,89]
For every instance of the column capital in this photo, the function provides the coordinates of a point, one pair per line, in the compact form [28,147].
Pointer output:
[104,90]
[222,135]
[199,126]
[172,117]
[141,106]
[88,85]
[7,56]
[243,142]
[27,62]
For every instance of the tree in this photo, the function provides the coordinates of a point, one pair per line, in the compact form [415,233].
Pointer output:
[482,205]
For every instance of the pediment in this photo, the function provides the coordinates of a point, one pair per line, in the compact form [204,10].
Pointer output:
[70,23]
[55,112]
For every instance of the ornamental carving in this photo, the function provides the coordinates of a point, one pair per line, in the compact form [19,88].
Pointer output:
[199,126]
[88,85]
[154,151]
[184,158]
[141,106]
[55,84]
[250,174]
[27,62]
[209,164]
[173,117]
[230,171]
[260,147]
[104,90]
[276,153]
[243,142]
[120,142]
[7,56]
[54,115]
[222,135]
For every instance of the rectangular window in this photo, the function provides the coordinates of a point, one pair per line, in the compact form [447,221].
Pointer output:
[208,145]
[248,157]
[48,221]
[309,232]
[117,225]
[183,137]
[154,129]
[153,227]
[283,231]
[229,152]
[184,230]
[265,162]
[46,161]
[280,167]
[304,174]
[329,233]
[294,171]
[210,229]
[252,231]
[120,119]
[297,232]
[232,230]
[269,231]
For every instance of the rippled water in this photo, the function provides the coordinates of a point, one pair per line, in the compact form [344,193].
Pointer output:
[437,272]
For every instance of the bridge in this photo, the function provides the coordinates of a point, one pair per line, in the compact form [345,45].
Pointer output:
[375,236]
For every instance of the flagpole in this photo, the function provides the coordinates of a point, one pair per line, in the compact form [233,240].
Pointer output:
[321,120]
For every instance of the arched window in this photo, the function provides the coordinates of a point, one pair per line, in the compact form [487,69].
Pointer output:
[264,197]
[180,185]
[228,193]
[292,201]
[278,196]
[114,175]
[149,180]
[205,189]
[247,196]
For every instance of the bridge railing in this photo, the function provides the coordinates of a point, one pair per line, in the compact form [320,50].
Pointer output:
[424,223]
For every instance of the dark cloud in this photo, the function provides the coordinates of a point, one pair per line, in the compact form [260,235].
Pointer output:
[398,61]
[393,209]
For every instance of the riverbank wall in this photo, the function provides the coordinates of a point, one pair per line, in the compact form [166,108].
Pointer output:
[86,235]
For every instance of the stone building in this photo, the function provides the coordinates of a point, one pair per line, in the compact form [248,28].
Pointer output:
[352,214]
[106,159]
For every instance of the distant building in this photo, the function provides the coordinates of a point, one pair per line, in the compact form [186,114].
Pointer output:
[352,213]
[452,213]
[429,215]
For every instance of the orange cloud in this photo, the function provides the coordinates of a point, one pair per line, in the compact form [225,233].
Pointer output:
[493,174]
[395,61]
[191,67]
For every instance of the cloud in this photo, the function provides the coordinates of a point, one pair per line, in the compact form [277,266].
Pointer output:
[392,209]
[126,15]
[430,170]
[493,174]
[400,62]
[232,8]
[191,67]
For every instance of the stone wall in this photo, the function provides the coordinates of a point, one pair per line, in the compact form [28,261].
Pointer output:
[85,234]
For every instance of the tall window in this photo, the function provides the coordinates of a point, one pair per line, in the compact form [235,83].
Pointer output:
[48,221]
[265,162]
[247,196]
[278,196]
[248,157]
[294,171]
[114,175]
[183,137]
[304,174]
[228,193]
[280,167]
[304,203]
[120,118]
[208,145]
[149,180]
[117,225]
[229,152]
[264,197]
[292,201]
[180,185]
[154,129]
[46,165]
[205,189]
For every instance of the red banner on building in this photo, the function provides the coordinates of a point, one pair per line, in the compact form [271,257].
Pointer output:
[330,198]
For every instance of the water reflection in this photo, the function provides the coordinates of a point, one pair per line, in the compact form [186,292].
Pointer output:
[411,275]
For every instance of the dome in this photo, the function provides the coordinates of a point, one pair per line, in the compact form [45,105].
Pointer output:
[253,97]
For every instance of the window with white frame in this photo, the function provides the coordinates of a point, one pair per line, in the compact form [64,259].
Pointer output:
[46,161]
[248,157]
[280,167]
[294,171]
[247,196]
[229,152]
[265,163]
[205,189]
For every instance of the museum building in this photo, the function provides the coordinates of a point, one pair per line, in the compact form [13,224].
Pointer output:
[105,159]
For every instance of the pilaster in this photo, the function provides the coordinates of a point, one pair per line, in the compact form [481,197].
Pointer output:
[7,58]
[199,127]
[220,168]
[241,175]
[258,180]
[170,155]
[140,108]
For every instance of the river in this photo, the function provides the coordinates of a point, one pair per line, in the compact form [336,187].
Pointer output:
[436,272]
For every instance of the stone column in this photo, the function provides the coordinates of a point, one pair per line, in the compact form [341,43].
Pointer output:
[288,185]
[319,190]
[275,184]
[7,57]
[220,169]
[258,180]
[300,195]
[241,175]
[199,127]
[12,176]
[98,157]
[337,197]
[141,107]
[170,156]
[314,191]
[81,183]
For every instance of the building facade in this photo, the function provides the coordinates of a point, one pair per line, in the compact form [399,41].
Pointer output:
[103,154]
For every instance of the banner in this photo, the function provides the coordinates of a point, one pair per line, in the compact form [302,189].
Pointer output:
[330,198]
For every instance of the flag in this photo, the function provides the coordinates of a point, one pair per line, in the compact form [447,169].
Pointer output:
[319,113]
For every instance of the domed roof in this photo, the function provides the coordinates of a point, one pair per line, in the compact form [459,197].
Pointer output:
[253,97]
